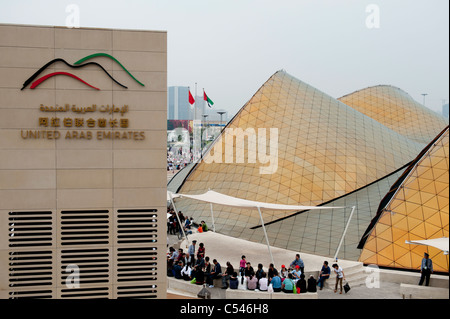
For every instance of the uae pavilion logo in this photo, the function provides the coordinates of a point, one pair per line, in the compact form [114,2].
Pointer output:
[78,64]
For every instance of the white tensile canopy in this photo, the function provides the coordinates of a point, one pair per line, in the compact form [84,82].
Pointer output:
[212,197]
[439,243]
[171,194]
[221,199]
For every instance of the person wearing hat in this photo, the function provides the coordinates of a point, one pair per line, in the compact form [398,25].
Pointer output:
[284,272]
[191,252]
[297,262]
[426,269]
[296,273]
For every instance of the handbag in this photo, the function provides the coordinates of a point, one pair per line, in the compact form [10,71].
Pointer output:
[346,287]
[294,289]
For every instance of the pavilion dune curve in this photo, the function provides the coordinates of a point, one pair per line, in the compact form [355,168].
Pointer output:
[331,152]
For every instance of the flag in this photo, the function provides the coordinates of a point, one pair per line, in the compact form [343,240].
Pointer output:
[207,99]
[191,98]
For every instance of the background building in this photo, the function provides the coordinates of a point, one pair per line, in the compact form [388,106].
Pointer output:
[82,170]
[178,107]
[445,111]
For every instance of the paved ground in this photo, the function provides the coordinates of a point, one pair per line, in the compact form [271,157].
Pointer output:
[386,291]
[224,248]
[171,174]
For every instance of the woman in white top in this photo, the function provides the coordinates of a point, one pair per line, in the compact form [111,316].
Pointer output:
[263,282]
[339,277]
[186,272]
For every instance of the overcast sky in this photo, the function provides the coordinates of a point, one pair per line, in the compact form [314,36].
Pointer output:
[231,47]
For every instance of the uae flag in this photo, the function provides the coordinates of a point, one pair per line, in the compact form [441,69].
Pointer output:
[208,100]
[191,98]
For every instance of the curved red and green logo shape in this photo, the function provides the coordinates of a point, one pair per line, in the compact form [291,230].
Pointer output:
[45,77]
[108,56]
[77,64]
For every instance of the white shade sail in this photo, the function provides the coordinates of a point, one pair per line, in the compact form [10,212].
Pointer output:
[221,199]
[439,243]
[173,195]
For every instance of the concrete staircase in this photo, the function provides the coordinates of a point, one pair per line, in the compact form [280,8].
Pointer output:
[355,275]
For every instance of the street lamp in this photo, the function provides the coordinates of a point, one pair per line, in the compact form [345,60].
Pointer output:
[424,96]
[221,114]
[204,116]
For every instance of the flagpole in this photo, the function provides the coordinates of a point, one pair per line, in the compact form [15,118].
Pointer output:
[195,103]
[195,119]
[204,116]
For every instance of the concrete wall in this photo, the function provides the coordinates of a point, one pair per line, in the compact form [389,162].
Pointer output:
[411,278]
[88,200]
[218,293]
[423,292]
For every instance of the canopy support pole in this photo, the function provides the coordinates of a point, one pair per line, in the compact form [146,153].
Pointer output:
[345,231]
[212,216]
[265,234]
[178,217]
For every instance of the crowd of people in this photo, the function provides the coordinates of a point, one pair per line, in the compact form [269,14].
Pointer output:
[194,266]
[175,226]
[177,161]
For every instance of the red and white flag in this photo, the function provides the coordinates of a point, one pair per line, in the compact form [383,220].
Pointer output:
[191,98]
